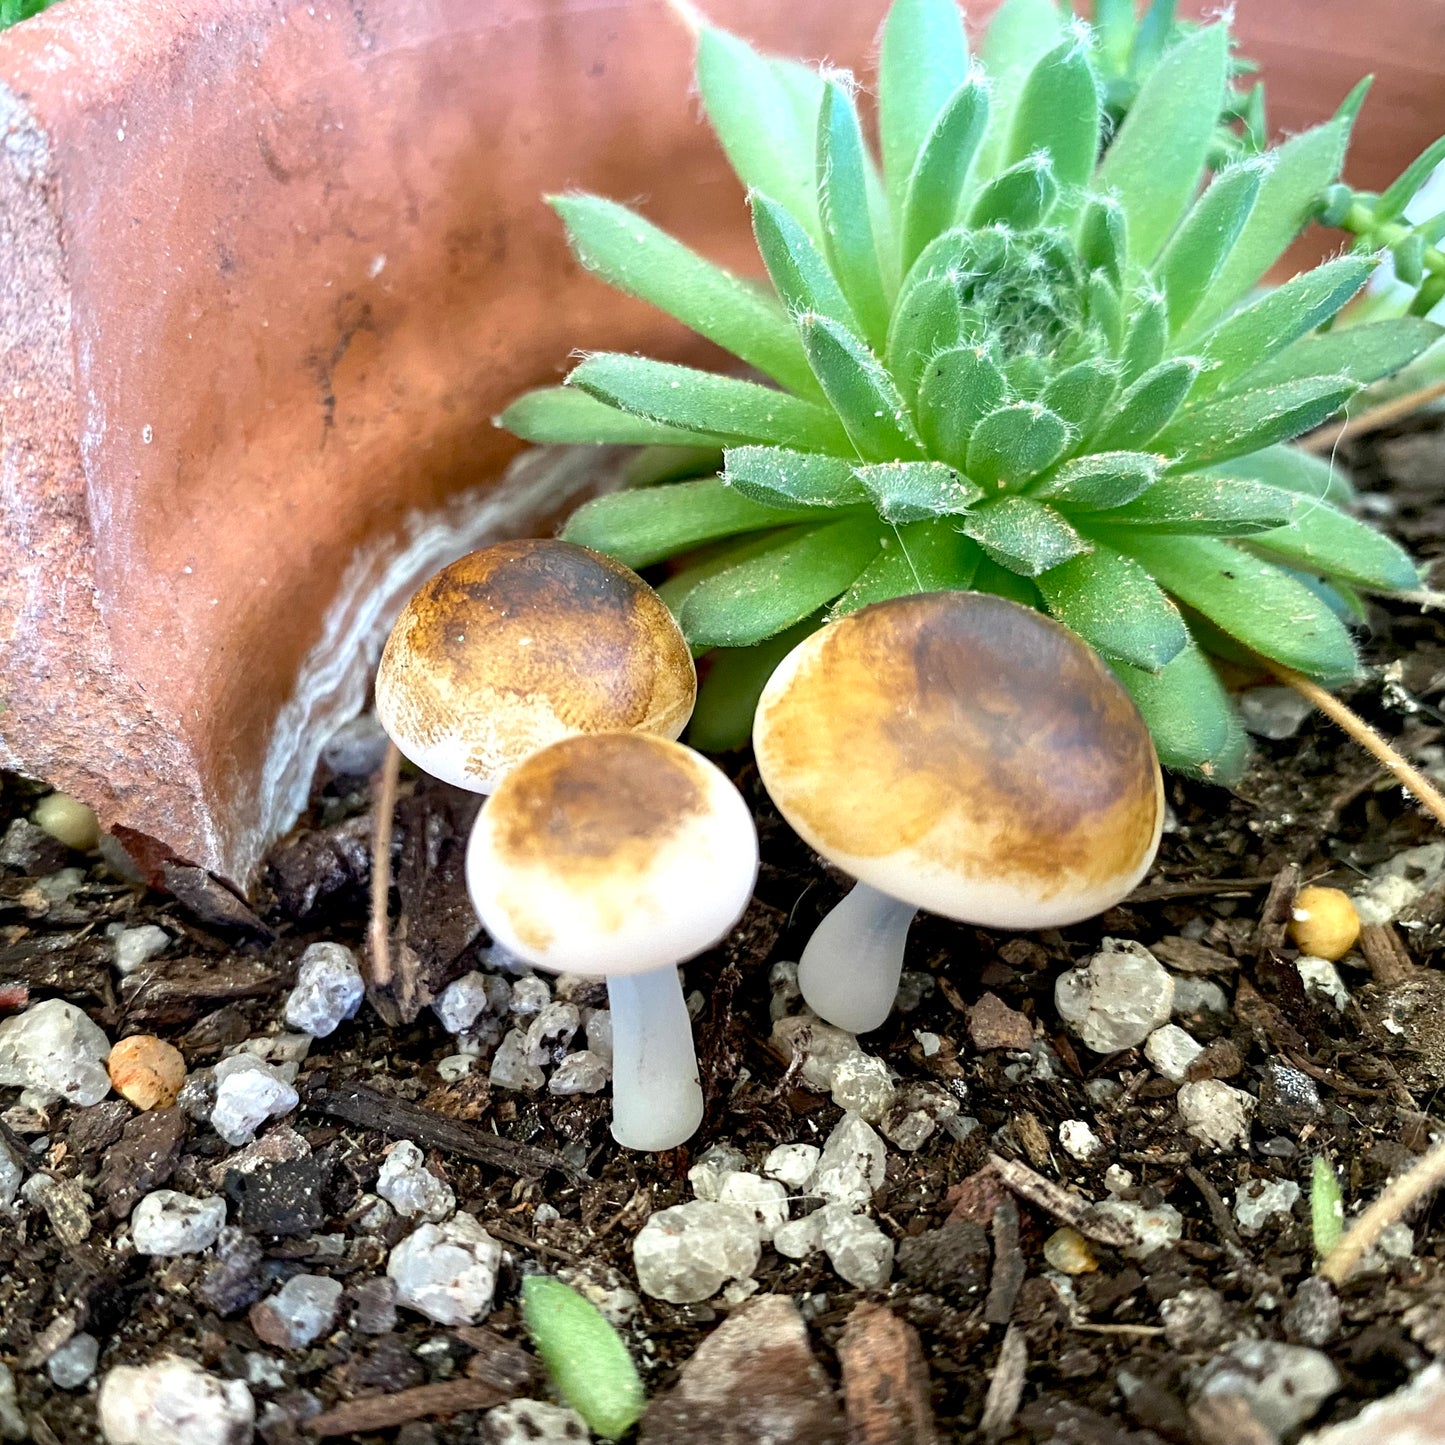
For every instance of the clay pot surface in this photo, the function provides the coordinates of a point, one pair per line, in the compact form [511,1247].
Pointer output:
[268,269]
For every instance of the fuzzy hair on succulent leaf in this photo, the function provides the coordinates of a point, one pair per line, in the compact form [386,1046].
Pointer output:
[1017,351]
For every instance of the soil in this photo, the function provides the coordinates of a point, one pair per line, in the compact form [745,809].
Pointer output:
[1098,1366]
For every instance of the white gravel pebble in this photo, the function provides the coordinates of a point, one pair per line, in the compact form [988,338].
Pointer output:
[856,1247]
[713,1167]
[329,989]
[1273,712]
[54,1051]
[862,1084]
[851,1165]
[174,1402]
[411,1188]
[551,1032]
[766,1199]
[1261,1199]
[1195,997]
[301,1311]
[821,1047]
[1079,1140]
[462,1002]
[534,1422]
[512,1069]
[13,1424]
[1171,1050]
[1116,998]
[792,1164]
[799,1237]
[581,1073]
[1283,1384]
[73,1364]
[687,1253]
[1322,979]
[530,995]
[11,1173]
[248,1092]
[447,1272]
[135,947]
[1152,1229]
[1411,1416]
[599,1033]
[167,1222]
[1216,1113]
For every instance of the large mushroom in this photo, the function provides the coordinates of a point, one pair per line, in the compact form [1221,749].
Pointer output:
[523,643]
[620,855]
[958,752]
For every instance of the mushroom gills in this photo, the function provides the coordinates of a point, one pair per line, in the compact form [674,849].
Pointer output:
[850,968]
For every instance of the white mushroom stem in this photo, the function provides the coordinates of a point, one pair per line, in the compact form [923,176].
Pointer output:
[656,1095]
[850,969]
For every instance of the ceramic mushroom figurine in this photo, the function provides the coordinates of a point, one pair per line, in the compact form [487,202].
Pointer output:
[621,855]
[523,643]
[957,752]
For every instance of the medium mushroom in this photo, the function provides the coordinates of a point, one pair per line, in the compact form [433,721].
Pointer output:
[520,644]
[620,855]
[958,752]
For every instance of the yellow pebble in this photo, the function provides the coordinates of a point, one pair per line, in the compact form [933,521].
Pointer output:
[147,1071]
[1069,1252]
[68,821]
[1324,923]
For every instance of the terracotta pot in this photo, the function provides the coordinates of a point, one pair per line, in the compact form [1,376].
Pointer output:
[267,269]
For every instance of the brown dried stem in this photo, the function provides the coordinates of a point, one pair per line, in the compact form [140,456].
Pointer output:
[379,926]
[1392,1205]
[1405,773]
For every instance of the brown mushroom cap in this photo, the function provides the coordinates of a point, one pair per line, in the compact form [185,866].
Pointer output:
[965,754]
[523,643]
[612,853]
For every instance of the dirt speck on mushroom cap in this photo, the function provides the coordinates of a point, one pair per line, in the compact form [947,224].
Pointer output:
[520,644]
[970,731]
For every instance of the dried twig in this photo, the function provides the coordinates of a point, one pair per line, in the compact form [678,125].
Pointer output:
[379,928]
[1392,1205]
[1008,1265]
[1406,774]
[385,1412]
[1327,438]
[1065,1207]
[1006,1387]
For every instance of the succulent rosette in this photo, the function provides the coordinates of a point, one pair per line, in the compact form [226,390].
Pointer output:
[1021,351]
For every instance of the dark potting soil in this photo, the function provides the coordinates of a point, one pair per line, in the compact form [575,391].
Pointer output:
[1088,1357]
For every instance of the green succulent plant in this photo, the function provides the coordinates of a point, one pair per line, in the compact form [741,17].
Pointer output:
[1024,355]
[12,12]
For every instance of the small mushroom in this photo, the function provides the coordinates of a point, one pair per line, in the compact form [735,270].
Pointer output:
[958,752]
[620,855]
[520,644]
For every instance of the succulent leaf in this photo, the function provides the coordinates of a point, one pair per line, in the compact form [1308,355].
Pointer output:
[559,414]
[796,266]
[915,491]
[936,182]
[1148,406]
[1206,237]
[925,556]
[959,388]
[1246,421]
[1057,114]
[868,404]
[1197,505]
[777,477]
[1100,480]
[1015,442]
[1320,539]
[1294,470]
[1365,353]
[1024,536]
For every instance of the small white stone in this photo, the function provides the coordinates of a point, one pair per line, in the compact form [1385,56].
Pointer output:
[530,995]
[1283,1384]
[1171,1051]
[329,988]
[1118,1180]
[411,1188]
[851,1165]
[821,1047]
[1151,1229]
[783,982]
[248,1092]
[1194,997]
[1079,1139]
[534,1422]
[455,1067]
[765,1198]
[166,1222]
[1273,712]
[551,1032]
[1116,998]
[1260,1199]
[928,1042]
[915,1113]
[462,1002]
[856,1247]
[13,1424]
[11,1173]
[511,1068]
[1322,978]
[174,1402]
[447,1272]
[1395,884]
[599,1033]
[54,1051]
[581,1073]
[712,1168]
[303,1309]
[1408,1417]
[799,1237]
[1216,1113]
[792,1164]
[687,1253]
[862,1084]
[73,1364]
[135,947]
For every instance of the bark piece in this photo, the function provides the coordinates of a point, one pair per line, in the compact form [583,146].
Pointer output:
[992,1024]
[885,1380]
